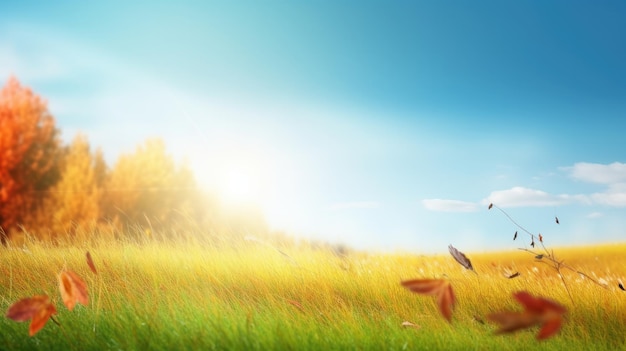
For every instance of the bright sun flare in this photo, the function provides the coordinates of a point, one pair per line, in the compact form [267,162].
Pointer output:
[239,187]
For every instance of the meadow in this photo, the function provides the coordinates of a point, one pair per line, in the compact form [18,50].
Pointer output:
[182,296]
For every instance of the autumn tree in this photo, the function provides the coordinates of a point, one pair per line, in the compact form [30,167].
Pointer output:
[29,150]
[72,205]
[146,188]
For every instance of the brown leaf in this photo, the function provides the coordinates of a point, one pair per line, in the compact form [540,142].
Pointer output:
[621,286]
[460,257]
[439,288]
[557,219]
[73,289]
[37,308]
[90,263]
[490,206]
[537,311]
[515,236]
[540,238]
[513,275]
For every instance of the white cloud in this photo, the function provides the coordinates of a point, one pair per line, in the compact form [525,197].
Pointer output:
[598,173]
[594,215]
[444,205]
[519,196]
[615,196]
[354,204]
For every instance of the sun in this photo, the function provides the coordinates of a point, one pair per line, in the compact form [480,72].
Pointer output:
[238,187]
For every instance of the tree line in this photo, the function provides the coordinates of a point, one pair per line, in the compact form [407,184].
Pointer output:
[59,192]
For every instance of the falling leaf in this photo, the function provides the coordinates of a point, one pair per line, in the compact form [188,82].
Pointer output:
[490,206]
[537,311]
[460,257]
[73,289]
[408,324]
[540,238]
[38,308]
[621,286]
[557,219]
[90,263]
[515,236]
[439,288]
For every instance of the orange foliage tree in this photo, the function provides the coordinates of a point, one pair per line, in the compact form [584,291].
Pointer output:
[29,151]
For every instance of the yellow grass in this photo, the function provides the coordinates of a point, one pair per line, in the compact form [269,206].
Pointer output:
[255,297]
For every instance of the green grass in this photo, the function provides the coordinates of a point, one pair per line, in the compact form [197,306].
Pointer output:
[184,297]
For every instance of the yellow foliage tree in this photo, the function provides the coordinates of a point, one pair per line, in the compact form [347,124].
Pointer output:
[146,188]
[73,204]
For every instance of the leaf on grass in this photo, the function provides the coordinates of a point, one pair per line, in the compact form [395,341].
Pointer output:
[515,236]
[90,263]
[38,308]
[537,311]
[514,275]
[540,256]
[460,257]
[439,288]
[408,324]
[73,289]
[621,286]
[478,319]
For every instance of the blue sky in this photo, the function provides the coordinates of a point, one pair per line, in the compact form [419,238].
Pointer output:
[384,126]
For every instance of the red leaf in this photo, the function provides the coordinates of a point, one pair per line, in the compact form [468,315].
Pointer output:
[38,308]
[439,288]
[73,289]
[538,304]
[537,311]
[90,263]
[550,328]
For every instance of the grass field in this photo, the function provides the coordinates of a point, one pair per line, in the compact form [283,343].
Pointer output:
[154,296]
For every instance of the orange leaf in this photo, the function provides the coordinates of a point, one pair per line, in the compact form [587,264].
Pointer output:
[90,263]
[73,289]
[537,311]
[38,308]
[439,288]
